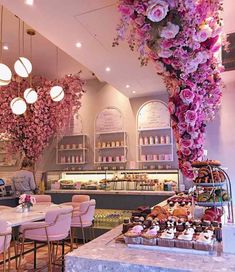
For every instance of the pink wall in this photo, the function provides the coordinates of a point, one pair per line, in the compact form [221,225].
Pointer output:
[220,139]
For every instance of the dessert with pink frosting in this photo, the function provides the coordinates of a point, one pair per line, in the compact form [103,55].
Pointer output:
[149,237]
[133,236]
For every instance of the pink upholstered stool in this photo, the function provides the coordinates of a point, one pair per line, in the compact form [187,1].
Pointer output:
[43,199]
[77,199]
[55,228]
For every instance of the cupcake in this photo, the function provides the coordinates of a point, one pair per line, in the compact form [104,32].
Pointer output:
[185,240]
[149,237]
[166,239]
[204,241]
[133,236]
[180,225]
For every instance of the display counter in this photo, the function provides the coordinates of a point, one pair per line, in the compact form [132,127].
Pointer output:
[103,254]
[11,201]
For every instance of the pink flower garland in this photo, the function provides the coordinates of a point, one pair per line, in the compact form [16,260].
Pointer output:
[182,38]
[31,133]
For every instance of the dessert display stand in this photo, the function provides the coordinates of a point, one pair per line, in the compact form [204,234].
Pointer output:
[214,185]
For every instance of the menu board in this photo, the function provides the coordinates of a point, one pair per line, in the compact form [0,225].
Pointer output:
[109,120]
[153,114]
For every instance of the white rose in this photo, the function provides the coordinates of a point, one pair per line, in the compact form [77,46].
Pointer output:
[169,31]
[157,10]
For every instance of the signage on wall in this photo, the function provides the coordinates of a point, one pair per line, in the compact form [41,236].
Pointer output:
[75,125]
[153,114]
[109,120]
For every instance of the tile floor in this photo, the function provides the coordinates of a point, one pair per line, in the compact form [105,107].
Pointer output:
[27,262]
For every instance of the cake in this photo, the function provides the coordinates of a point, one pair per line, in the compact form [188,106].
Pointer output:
[166,239]
[149,237]
[185,239]
[133,236]
[204,241]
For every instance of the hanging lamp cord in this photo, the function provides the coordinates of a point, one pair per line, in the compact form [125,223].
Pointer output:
[31,59]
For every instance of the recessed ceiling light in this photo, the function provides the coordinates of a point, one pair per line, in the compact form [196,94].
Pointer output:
[78,45]
[127,86]
[29,2]
[133,92]
[107,69]
[5,47]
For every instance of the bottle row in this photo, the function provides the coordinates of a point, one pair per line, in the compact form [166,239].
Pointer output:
[112,159]
[156,157]
[71,159]
[110,144]
[155,140]
[71,146]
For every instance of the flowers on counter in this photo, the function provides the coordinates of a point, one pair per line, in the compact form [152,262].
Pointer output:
[182,38]
[31,133]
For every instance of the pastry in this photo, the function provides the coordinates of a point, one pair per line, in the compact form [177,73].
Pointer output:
[204,241]
[149,237]
[185,240]
[180,212]
[205,163]
[166,239]
[133,236]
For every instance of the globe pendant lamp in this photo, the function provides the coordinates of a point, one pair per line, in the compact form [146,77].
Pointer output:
[5,72]
[18,106]
[57,92]
[30,95]
[22,66]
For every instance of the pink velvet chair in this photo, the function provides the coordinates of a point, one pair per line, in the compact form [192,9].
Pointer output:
[55,228]
[83,217]
[43,199]
[77,200]
[5,240]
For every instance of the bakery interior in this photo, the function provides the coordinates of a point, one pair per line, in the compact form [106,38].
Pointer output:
[115,166]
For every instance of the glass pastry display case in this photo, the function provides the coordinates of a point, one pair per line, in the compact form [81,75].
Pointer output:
[130,180]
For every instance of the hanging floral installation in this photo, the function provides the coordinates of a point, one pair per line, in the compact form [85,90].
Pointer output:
[31,133]
[183,39]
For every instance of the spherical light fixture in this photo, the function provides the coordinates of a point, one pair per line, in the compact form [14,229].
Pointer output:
[5,75]
[30,95]
[57,93]
[18,106]
[23,67]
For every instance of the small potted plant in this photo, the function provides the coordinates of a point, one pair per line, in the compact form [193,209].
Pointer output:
[26,201]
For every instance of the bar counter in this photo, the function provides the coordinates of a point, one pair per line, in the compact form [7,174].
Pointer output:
[113,199]
[104,255]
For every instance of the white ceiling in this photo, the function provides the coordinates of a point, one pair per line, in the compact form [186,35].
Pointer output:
[93,23]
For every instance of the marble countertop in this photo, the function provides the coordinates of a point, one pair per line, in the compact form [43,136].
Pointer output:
[111,192]
[104,255]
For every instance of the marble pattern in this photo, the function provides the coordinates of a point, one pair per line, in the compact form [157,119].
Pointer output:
[104,255]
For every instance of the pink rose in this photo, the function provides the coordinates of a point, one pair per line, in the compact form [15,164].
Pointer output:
[202,57]
[186,151]
[190,117]
[165,53]
[157,10]
[187,96]
[203,34]
[169,31]
[186,143]
[191,66]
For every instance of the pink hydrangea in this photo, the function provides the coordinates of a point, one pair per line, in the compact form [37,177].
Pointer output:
[187,96]
[165,53]
[169,31]
[157,10]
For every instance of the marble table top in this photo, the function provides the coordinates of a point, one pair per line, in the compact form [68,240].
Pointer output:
[110,192]
[16,218]
[104,255]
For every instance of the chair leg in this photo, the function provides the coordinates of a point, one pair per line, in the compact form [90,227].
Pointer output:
[9,258]
[71,239]
[83,235]
[93,232]
[49,256]
[4,260]
[21,253]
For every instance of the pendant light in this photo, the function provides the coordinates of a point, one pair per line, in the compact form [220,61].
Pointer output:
[18,105]
[30,95]
[5,72]
[22,66]
[57,92]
